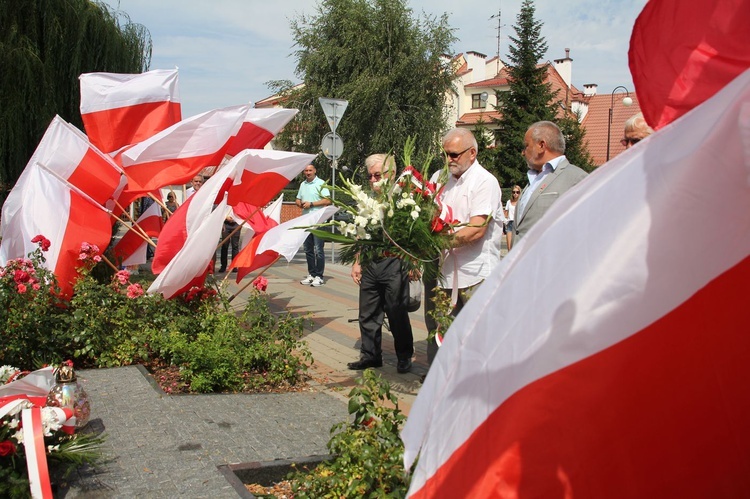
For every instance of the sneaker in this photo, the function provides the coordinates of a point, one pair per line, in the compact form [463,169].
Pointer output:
[317,281]
[307,280]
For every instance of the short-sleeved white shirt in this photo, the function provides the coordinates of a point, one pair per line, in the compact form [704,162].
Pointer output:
[476,192]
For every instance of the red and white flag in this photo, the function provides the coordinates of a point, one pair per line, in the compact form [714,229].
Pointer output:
[192,214]
[682,53]
[60,195]
[122,109]
[177,154]
[190,265]
[131,248]
[45,204]
[264,174]
[259,127]
[283,240]
[607,355]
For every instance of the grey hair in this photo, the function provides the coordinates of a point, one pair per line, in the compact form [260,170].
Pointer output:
[465,134]
[550,134]
[386,160]
[637,123]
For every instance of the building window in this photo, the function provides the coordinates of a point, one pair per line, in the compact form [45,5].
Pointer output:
[476,102]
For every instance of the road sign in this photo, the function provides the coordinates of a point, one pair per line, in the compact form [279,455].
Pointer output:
[334,110]
[332,146]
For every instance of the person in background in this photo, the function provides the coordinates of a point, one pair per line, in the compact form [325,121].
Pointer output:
[231,232]
[313,196]
[171,205]
[510,213]
[195,184]
[550,175]
[636,129]
[383,289]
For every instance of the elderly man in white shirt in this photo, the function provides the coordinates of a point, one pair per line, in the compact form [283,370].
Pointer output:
[474,196]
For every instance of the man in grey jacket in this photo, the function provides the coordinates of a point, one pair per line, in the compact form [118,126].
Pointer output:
[550,174]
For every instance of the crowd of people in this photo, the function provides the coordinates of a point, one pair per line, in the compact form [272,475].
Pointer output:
[474,196]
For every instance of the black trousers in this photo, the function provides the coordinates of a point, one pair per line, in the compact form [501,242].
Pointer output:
[384,289]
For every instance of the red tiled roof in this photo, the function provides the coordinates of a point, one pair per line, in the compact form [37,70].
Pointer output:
[473,118]
[596,124]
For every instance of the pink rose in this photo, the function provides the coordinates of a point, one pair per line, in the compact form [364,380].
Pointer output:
[260,283]
[21,288]
[123,276]
[134,291]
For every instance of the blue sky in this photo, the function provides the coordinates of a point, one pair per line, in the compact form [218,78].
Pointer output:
[226,50]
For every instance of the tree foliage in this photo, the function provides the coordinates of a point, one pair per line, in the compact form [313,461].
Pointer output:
[530,99]
[44,46]
[386,62]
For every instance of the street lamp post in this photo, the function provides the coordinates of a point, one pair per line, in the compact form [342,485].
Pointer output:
[626,101]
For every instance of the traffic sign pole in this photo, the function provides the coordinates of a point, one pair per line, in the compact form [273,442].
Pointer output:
[334,110]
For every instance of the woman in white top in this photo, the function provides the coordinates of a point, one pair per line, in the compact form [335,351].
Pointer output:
[510,213]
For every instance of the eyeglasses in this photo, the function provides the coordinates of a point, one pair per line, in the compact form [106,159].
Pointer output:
[376,176]
[456,155]
[630,141]
[516,192]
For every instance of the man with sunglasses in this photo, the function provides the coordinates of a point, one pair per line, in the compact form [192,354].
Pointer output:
[550,174]
[474,197]
[383,290]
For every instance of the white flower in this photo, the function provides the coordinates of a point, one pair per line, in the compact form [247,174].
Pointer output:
[360,221]
[415,214]
[6,372]
[50,421]
[18,436]
[390,213]
[13,423]
[53,448]
[396,189]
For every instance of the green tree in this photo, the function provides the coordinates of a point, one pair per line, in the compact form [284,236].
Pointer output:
[44,46]
[529,99]
[386,62]
[575,146]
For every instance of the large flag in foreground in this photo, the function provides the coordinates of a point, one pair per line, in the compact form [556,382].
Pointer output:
[682,53]
[122,109]
[283,240]
[607,355]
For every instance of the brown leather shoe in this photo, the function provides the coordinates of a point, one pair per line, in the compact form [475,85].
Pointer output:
[364,364]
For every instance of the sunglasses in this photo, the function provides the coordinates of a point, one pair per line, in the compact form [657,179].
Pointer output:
[376,176]
[516,192]
[456,155]
[627,141]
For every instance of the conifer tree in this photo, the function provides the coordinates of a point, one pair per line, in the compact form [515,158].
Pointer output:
[529,99]
[44,46]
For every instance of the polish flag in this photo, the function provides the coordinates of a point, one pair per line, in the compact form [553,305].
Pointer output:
[46,204]
[607,354]
[283,240]
[131,248]
[264,174]
[177,154]
[259,127]
[67,168]
[190,265]
[192,214]
[682,53]
[122,109]
[258,221]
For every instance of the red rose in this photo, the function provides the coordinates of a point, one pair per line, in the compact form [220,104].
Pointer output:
[7,448]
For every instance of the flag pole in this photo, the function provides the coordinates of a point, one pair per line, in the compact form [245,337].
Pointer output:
[106,260]
[159,202]
[135,227]
[250,282]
